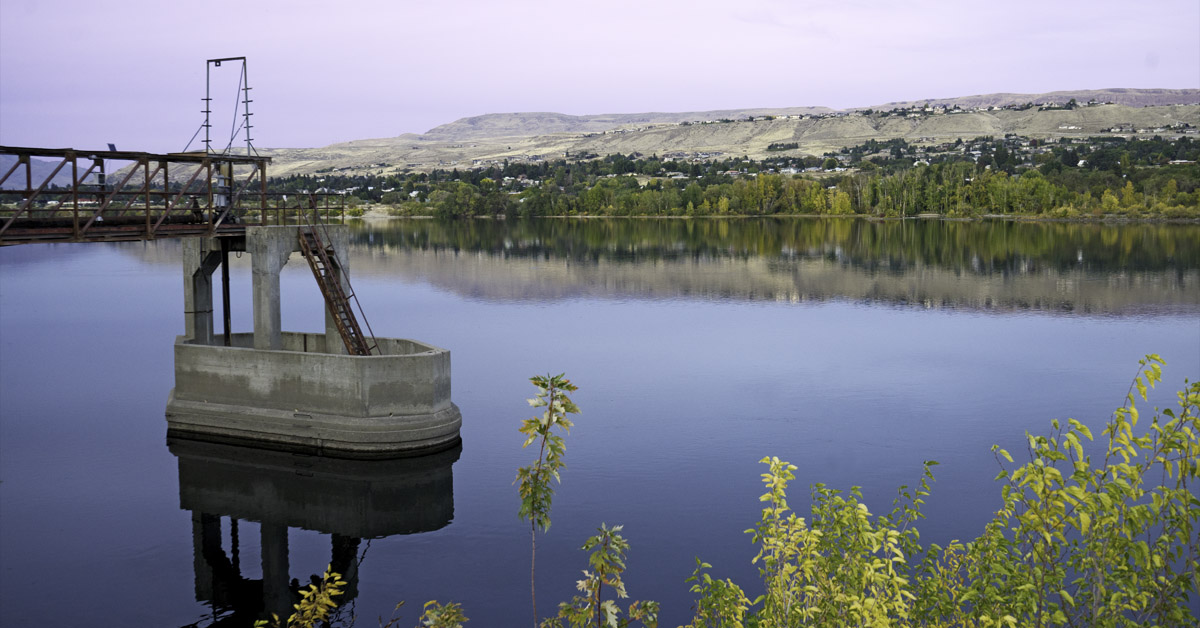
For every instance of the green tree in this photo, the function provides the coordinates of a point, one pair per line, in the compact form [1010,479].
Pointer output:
[1170,190]
[535,482]
[607,565]
[1109,203]
[1128,196]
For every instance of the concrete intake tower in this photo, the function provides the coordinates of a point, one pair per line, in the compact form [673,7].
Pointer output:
[336,394]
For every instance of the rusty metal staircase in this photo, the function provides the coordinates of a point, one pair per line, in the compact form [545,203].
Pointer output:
[322,260]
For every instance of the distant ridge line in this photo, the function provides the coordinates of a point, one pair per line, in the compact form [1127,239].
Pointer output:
[1130,97]
[550,122]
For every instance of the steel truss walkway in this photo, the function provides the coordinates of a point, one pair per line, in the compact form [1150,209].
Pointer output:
[157,196]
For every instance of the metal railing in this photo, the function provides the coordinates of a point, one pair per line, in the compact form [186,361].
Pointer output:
[68,195]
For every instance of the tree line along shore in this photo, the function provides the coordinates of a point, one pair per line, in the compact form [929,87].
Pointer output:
[1072,178]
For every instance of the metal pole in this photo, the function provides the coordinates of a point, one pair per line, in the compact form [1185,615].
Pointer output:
[74,197]
[103,194]
[262,196]
[207,105]
[225,287]
[246,102]
[28,195]
[147,188]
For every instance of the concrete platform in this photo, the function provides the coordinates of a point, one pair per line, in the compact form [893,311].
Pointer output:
[304,399]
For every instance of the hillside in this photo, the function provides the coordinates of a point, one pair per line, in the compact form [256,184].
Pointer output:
[546,123]
[814,133]
[41,168]
[493,139]
[1116,96]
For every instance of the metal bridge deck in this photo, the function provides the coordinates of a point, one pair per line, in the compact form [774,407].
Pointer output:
[69,195]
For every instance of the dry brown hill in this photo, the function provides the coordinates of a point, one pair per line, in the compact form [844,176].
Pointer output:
[814,134]
[547,123]
[41,168]
[1115,95]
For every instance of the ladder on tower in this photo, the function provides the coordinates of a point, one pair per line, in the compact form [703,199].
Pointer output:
[321,258]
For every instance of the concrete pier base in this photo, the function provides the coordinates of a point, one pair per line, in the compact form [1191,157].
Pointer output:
[300,398]
[296,391]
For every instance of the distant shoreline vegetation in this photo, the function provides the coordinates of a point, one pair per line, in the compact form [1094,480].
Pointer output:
[1094,178]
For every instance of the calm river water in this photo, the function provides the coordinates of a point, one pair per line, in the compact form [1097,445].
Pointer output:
[854,349]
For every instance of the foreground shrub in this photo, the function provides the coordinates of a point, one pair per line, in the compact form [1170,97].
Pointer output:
[1078,540]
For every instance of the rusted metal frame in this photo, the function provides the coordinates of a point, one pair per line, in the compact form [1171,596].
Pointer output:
[187,185]
[76,181]
[107,201]
[171,203]
[127,155]
[29,185]
[249,179]
[34,193]
[75,197]
[235,196]
[123,233]
[21,159]
[262,196]
[329,281]
[226,317]
[166,193]
[145,187]
[86,173]
[211,211]
[150,177]
[353,295]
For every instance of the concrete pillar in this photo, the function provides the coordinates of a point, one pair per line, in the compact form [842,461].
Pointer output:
[199,261]
[206,542]
[269,248]
[339,237]
[277,594]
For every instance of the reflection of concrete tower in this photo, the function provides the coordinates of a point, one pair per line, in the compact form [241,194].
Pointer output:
[347,499]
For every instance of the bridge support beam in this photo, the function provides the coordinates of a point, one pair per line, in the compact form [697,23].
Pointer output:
[269,248]
[201,256]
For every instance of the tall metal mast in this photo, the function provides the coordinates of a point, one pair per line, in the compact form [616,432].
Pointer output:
[243,96]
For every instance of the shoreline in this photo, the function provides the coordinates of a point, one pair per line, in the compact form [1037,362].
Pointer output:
[379,214]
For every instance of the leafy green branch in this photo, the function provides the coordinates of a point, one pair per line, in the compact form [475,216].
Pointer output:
[534,481]
[607,564]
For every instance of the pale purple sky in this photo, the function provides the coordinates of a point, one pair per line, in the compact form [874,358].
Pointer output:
[80,74]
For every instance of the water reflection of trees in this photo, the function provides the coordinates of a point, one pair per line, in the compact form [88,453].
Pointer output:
[969,247]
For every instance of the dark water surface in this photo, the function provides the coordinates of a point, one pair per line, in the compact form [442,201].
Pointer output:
[856,350]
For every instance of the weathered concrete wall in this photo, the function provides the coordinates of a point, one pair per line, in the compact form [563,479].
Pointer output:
[410,378]
[298,397]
